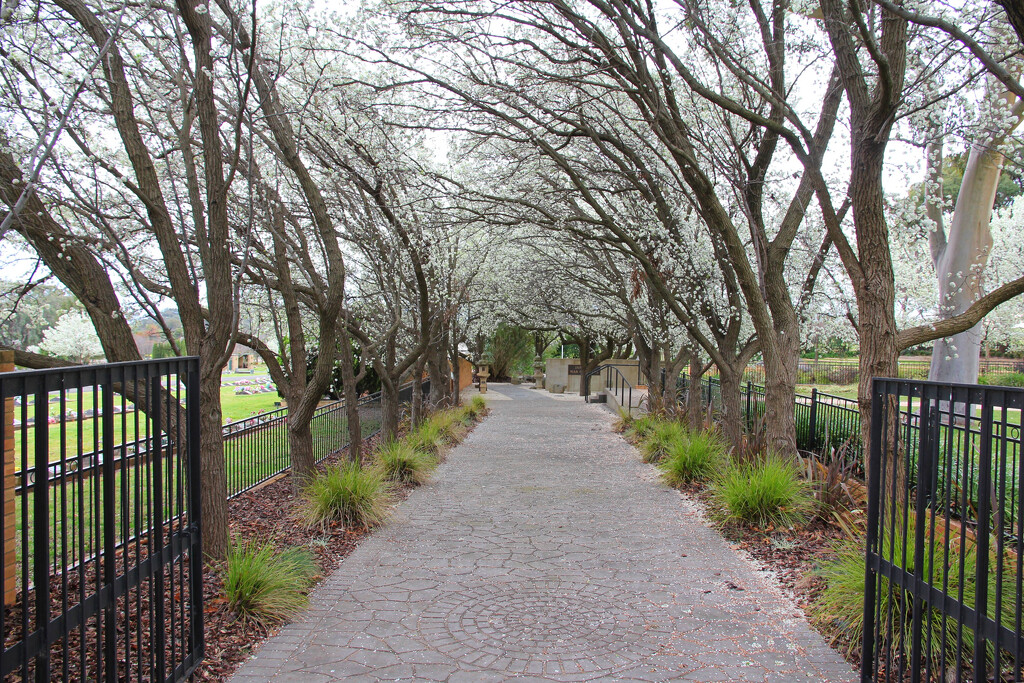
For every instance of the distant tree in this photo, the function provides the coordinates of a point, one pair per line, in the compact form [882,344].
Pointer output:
[27,310]
[72,338]
[512,348]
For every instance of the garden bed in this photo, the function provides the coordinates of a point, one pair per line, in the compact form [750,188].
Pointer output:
[270,513]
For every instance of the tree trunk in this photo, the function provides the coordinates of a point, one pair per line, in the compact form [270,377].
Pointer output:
[879,353]
[670,387]
[780,393]
[437,370]
[214,486]
[300,449]
[300,438]
[418,409]
[351,396]
[389,410]
[694,403]
[456,374]
[669,390]
[960,265]
[731,417]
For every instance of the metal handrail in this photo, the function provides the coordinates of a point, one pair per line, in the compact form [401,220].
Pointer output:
[620,381]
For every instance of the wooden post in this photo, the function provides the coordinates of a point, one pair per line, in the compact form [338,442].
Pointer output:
[10,560]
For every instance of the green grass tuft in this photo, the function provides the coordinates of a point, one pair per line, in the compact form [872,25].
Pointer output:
[476,407]
[427,438]
[660,438]
[641,426]
[698,457]
[400,462]
[266,585]
[450,425]
[354,496]
[764,492]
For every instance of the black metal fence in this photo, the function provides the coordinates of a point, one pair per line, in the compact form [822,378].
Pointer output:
[824,422]
[101,567]
[256,448]
[943,585]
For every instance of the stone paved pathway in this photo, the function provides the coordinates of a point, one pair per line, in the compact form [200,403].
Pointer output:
[544,550]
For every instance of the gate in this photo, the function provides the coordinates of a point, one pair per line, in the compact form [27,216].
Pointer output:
[102,560]
[943,580]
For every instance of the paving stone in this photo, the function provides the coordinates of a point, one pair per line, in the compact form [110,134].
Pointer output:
[544,550]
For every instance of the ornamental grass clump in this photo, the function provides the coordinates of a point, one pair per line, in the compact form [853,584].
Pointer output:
[450,425]
[623,421]
[765,492]
[639,427]
[427,438]
[476,407]
[663,436]
[268,586]
[698,457]
[351,495]
[400,462]
[840,606]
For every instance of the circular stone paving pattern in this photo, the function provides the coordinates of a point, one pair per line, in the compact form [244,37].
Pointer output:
[579,627]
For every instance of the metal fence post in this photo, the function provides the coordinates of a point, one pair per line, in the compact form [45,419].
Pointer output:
[9,570]
[750,417]
[812,427]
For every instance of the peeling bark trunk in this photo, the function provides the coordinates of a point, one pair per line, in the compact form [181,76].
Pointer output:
[961,256]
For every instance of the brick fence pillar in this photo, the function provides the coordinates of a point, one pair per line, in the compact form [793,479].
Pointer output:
[10,560]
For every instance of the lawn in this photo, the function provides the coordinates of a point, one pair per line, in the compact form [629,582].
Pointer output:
[233,407]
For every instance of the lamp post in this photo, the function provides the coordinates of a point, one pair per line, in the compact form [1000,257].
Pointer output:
[483,366]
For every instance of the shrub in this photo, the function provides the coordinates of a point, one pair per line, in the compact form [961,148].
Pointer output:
[696,458]
[268,586]
[660,438]
[841,603]
[1010,379]
[400,462]
[828,479]
[765,492]
[349,494]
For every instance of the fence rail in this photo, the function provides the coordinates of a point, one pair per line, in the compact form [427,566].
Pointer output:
[824,422]
[101,568]
[943,585]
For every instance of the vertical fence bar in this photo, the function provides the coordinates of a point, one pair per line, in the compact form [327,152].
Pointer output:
[983,530]
[109,547]
[195,556]
[812,428]
[750,417]
[41,528]
[878,395]
[8,525]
